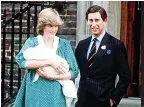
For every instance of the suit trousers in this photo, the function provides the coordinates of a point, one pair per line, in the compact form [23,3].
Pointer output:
[92,101]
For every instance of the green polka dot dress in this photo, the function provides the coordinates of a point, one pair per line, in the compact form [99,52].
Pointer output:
[43,93]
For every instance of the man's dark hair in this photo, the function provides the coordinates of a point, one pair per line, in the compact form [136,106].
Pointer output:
[96,8]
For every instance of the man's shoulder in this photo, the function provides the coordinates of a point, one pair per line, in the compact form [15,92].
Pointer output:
[114,40]
[85,40]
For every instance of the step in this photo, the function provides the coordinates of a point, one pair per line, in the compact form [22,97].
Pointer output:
[130,102]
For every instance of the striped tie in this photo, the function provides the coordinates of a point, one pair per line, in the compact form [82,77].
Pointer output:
[92,53]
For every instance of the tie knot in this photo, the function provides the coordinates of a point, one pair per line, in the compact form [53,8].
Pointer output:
[95,39]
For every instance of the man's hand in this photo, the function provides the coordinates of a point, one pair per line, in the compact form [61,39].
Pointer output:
[112,103]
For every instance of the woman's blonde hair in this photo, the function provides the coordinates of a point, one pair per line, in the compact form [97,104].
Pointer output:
[48,16]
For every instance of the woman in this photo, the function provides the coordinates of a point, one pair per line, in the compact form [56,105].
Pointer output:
[46,92]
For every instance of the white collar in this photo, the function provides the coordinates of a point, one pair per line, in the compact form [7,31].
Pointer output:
[55,43]
[99,38]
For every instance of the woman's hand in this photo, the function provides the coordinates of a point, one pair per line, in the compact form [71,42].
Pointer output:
[58,66]
[47,75]
[51,76]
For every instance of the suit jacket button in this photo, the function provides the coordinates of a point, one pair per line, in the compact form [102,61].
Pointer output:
[87,78]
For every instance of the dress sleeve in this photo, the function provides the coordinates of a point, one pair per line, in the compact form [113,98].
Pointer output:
[20,57]
[69,55]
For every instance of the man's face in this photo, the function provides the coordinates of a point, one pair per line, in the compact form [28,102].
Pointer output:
[96,23]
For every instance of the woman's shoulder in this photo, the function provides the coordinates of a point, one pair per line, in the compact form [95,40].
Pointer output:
[63,41]
[32,40]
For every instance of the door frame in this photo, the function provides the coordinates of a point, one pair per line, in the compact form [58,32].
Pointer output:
[127,36]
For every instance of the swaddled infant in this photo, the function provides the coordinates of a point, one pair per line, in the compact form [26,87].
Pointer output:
[41,53]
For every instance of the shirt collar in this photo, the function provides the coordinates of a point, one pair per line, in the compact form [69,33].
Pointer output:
[100,37]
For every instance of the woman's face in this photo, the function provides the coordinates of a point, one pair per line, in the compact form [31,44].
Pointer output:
[50,29]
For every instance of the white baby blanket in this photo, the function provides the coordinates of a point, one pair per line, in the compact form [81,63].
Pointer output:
[40,52]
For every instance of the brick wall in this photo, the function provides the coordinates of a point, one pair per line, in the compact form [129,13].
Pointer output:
[68,31]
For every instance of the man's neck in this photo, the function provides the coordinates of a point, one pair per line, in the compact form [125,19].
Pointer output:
[97,35]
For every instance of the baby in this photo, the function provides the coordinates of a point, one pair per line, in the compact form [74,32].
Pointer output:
[41,53]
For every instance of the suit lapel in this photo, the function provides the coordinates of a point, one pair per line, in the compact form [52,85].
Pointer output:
[87,43]
[85,47]
[103,46]
[101,51]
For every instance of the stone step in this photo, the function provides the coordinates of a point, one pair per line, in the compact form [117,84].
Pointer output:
[130,102]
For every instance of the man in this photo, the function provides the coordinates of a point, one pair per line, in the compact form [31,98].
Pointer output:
[100,58]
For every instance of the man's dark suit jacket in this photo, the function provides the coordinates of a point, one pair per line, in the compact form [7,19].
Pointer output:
[100,79]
